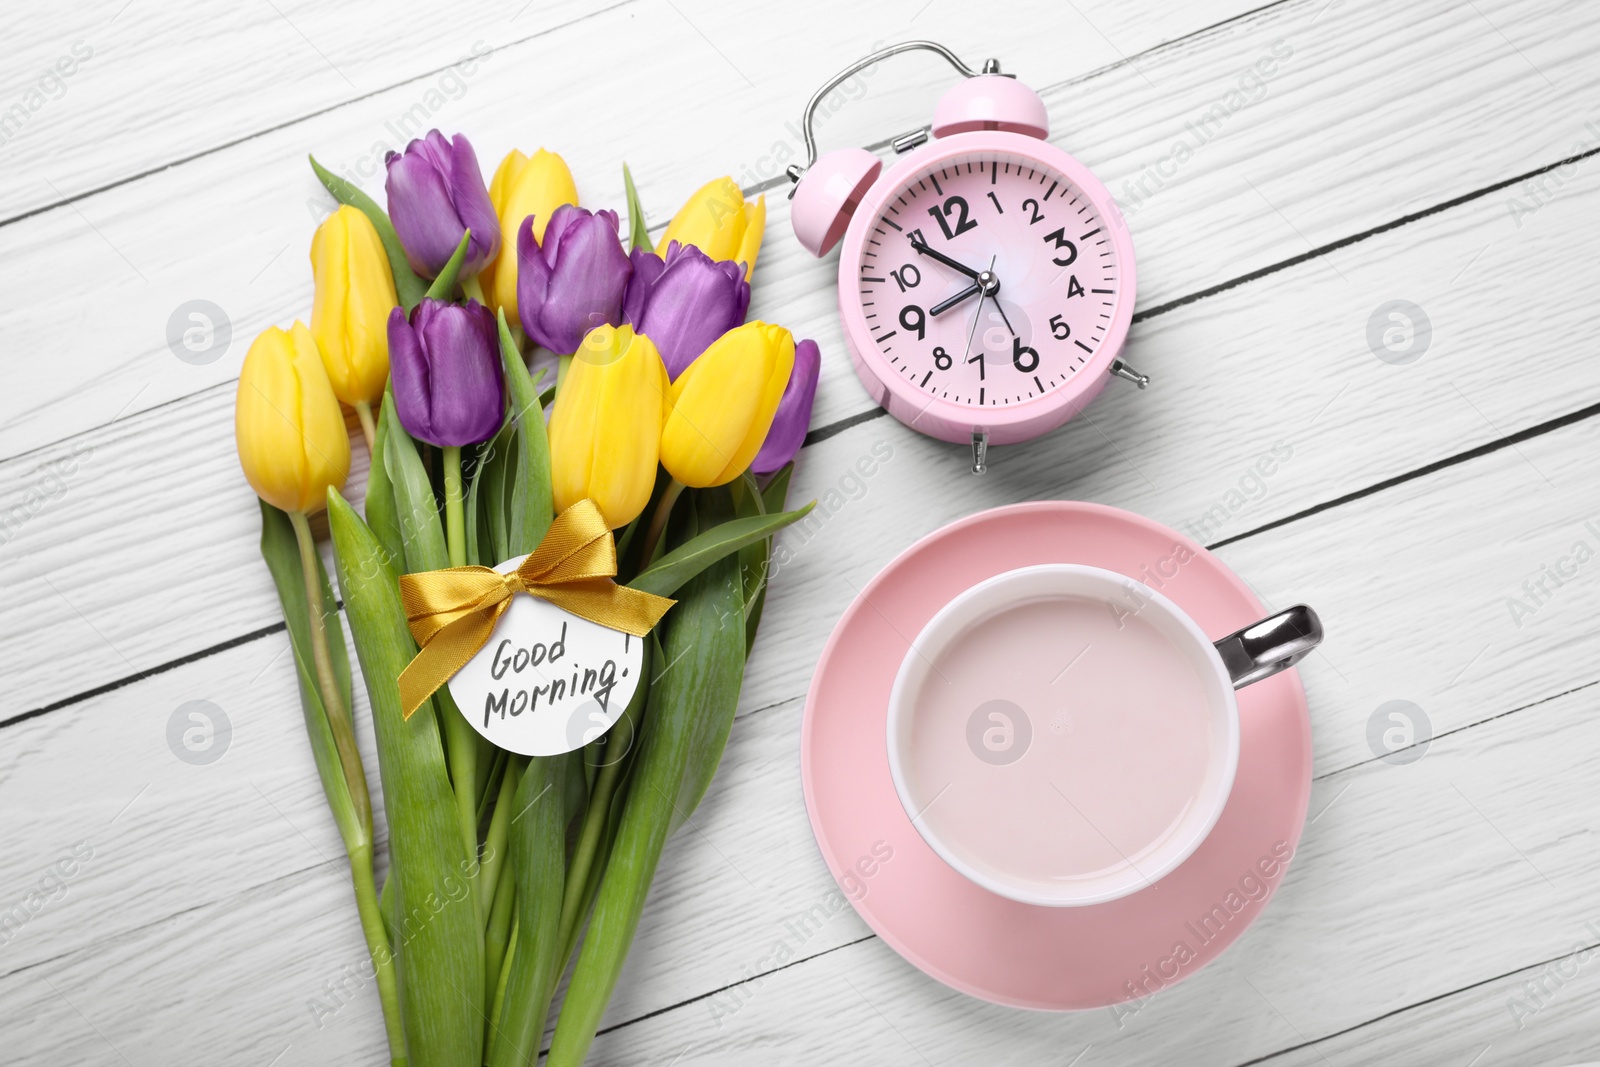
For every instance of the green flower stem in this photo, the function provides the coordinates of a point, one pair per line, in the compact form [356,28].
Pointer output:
[369,428]
[658,522]
[378,947]
[706,658]
[455,522]
[588,891]
[494,844]
[497,1002]
[474,289]
[574,896]
[537,860]
[461,740]
[344,734]
[497,937]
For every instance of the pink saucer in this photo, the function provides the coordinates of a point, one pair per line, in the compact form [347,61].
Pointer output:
[1052,959]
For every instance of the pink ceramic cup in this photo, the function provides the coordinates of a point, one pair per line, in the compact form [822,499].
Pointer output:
[1140,744]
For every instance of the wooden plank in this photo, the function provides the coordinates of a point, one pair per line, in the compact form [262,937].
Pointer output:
[1483,827]
[1465,590]
[129,104]
[1372,905]
[748,864]
[240,981]
[233,206]
[168,834]
[1300,164]
[1280,363]
[232,227]
[146,87]
[1540,1013]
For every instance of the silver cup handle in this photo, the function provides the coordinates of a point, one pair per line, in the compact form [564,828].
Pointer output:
[1277,643]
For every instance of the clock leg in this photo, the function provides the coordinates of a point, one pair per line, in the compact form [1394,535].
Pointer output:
[980,452]
[1128,374]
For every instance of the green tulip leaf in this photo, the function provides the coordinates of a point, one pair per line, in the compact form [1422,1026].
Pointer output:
[381,514]
[439,936]
[705,658]
[717,696]
[424,547]
[538,864]
[282,554]
[483,501]
[407,286]
[777,490]
[529,507]
[444,286]
[772,499]
[693,556]
[638,232]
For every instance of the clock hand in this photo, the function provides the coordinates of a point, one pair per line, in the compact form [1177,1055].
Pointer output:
[945,305]
[977,313]
[1003,318]
[933,253]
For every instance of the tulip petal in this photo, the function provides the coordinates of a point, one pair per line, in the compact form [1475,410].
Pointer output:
[686,304]
[605,429]
[408,375]
[647,267]
[354,294]
[420,208]
[290,432]
[574,281]
[436,192]
[723,404]
[750,244]
[793,417]
[472,205]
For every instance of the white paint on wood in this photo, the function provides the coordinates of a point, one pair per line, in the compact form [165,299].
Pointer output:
[216,907]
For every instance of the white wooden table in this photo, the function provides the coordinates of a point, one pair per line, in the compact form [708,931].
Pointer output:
[1442,513]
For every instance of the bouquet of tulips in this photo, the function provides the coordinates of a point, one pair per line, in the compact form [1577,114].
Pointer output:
[504,870]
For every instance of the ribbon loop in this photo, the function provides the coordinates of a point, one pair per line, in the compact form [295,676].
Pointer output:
[452,613]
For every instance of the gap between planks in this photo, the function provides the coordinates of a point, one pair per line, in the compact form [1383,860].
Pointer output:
[822,433]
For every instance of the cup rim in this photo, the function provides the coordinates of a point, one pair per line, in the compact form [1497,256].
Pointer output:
[953,618]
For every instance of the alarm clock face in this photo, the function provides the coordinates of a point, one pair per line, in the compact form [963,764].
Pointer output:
[993,285]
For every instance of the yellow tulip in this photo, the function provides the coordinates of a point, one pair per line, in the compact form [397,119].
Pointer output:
[721,223]
[350,312]
[721,407]
[290,432]
[605,428]
[522,186]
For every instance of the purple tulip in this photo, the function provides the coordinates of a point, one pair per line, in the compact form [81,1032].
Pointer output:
[685,302]
[793,417]
[435,193]
[444,369]
[573,281]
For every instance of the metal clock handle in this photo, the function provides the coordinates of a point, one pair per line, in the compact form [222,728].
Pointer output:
[794,171]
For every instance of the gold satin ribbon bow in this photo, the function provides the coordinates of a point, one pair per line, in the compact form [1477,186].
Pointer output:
[452,613]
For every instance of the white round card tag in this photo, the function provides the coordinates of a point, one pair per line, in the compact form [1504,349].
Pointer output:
[548,681]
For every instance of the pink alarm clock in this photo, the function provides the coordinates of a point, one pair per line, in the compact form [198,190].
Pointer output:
[986,280]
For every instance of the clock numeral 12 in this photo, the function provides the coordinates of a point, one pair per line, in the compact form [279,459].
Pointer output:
[956,206]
